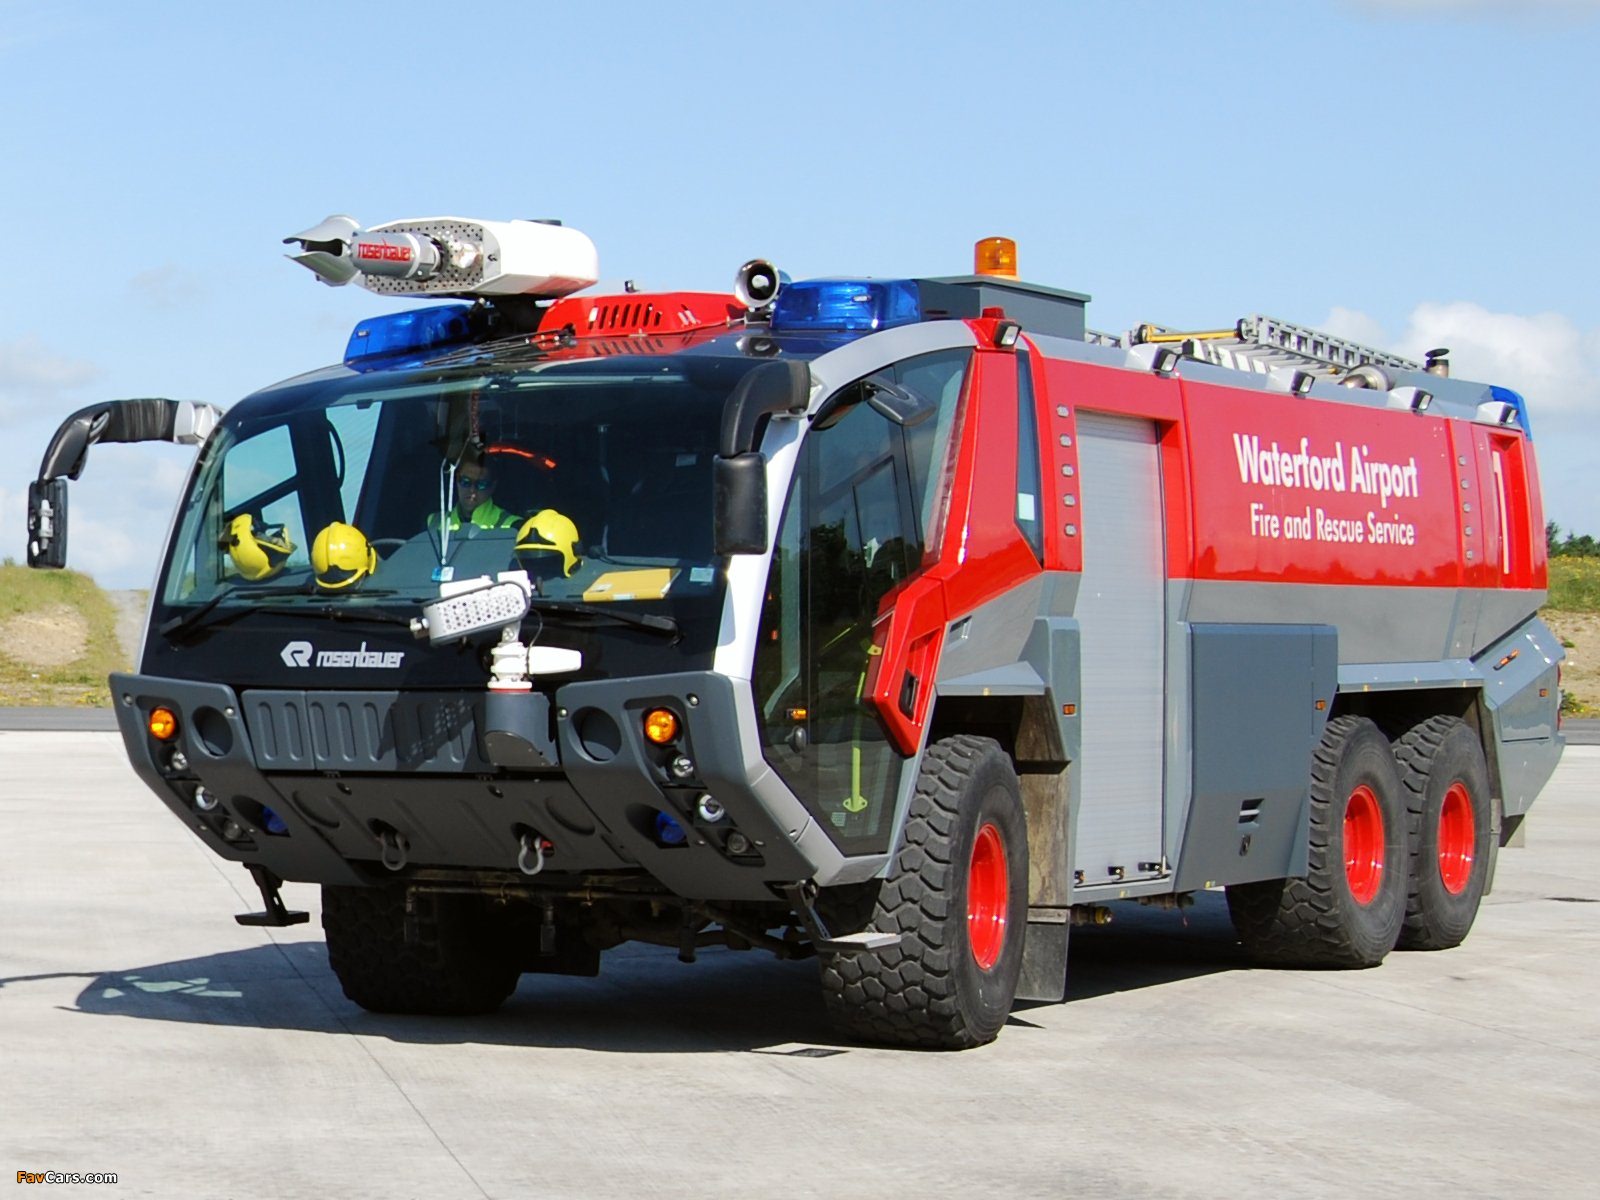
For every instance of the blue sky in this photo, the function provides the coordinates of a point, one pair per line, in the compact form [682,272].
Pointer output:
[1413,172]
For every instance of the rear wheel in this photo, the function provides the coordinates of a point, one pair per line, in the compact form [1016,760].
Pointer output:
[958,896]
[1445,782]
[1348,909]
[453,963]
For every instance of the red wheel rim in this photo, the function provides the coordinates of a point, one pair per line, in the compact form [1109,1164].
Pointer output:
[988,884]
[1457,836]
[1363,844]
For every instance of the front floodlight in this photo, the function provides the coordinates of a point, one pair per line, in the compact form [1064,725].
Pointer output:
[473,606]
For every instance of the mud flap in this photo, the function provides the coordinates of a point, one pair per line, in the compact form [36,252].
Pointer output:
[1044,955]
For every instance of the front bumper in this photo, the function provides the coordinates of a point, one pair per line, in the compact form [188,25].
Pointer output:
[352,787]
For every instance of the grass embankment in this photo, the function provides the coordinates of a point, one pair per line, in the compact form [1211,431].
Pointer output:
[58,638]
[1573,614]
[1575,585]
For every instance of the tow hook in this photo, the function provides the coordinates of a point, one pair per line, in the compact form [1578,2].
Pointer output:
[530,859]
[392,849]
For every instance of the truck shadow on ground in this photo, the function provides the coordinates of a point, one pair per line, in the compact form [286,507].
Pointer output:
[1147,947]
[644,1001]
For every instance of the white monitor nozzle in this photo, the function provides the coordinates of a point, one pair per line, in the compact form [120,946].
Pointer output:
[471,606]
[450,256]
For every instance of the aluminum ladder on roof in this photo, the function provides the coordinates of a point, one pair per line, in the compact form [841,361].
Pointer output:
[1264,344]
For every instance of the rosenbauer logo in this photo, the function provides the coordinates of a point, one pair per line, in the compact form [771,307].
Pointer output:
[383,252]
[304,654]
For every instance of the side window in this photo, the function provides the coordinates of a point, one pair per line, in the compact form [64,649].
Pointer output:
[937,377]
[259,477]
[1028,481]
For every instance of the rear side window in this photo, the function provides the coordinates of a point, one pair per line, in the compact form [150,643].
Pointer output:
[1028,479]
[937,377]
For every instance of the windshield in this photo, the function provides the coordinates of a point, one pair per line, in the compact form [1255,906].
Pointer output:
[594,476]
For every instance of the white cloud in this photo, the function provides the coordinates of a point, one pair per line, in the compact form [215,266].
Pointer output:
[30,373]
[1545,357]
[169,286]
[1357,326]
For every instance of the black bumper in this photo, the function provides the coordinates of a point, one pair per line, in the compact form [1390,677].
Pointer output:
[311,785]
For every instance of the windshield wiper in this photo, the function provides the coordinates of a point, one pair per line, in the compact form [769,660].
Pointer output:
[665,626]
[176,627]
[179,628]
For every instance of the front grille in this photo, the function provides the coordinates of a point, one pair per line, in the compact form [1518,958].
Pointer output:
[366,731]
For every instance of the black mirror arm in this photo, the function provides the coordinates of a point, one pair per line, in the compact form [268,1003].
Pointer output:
[144,420]
[782,386]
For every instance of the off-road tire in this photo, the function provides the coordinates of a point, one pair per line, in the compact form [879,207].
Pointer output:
[1318,921]
[1439,757]
[930,990]
[454,964]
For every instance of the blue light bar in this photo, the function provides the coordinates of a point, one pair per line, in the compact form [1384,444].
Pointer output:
[1507,396]
[846,305]
[409,332]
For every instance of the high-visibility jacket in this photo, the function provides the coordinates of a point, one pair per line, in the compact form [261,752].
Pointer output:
[487,515]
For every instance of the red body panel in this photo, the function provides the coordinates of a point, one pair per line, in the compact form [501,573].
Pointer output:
[1078,386]
[1297,491]
[982,553]
[1257,486]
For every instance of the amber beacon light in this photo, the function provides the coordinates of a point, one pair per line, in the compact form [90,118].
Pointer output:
[995,256]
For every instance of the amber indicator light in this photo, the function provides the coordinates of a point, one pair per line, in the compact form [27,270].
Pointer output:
[661,726]
[163,724]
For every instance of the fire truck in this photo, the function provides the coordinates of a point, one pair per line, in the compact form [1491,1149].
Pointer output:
[899,623]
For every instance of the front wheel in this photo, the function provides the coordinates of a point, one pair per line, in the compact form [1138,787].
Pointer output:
[444,957]
[957,894]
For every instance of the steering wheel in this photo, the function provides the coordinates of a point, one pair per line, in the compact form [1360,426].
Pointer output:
[392,544]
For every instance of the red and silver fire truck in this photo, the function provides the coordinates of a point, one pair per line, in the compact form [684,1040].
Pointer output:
[899,623]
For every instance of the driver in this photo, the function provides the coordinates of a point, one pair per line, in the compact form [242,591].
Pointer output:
[475,483]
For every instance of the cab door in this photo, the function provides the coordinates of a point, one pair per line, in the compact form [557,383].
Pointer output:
[849,536]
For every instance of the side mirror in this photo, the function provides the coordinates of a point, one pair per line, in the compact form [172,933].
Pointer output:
[47,523]
[894,403]
[900,405]
[739,490]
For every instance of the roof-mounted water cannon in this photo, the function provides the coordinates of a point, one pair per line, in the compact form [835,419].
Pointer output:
[449,256]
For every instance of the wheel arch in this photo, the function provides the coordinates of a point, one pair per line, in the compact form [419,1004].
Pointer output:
[1040,740]
[1395,711]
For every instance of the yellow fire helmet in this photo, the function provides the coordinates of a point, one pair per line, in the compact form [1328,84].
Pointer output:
[544,535]
[341,557]
[258,551]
